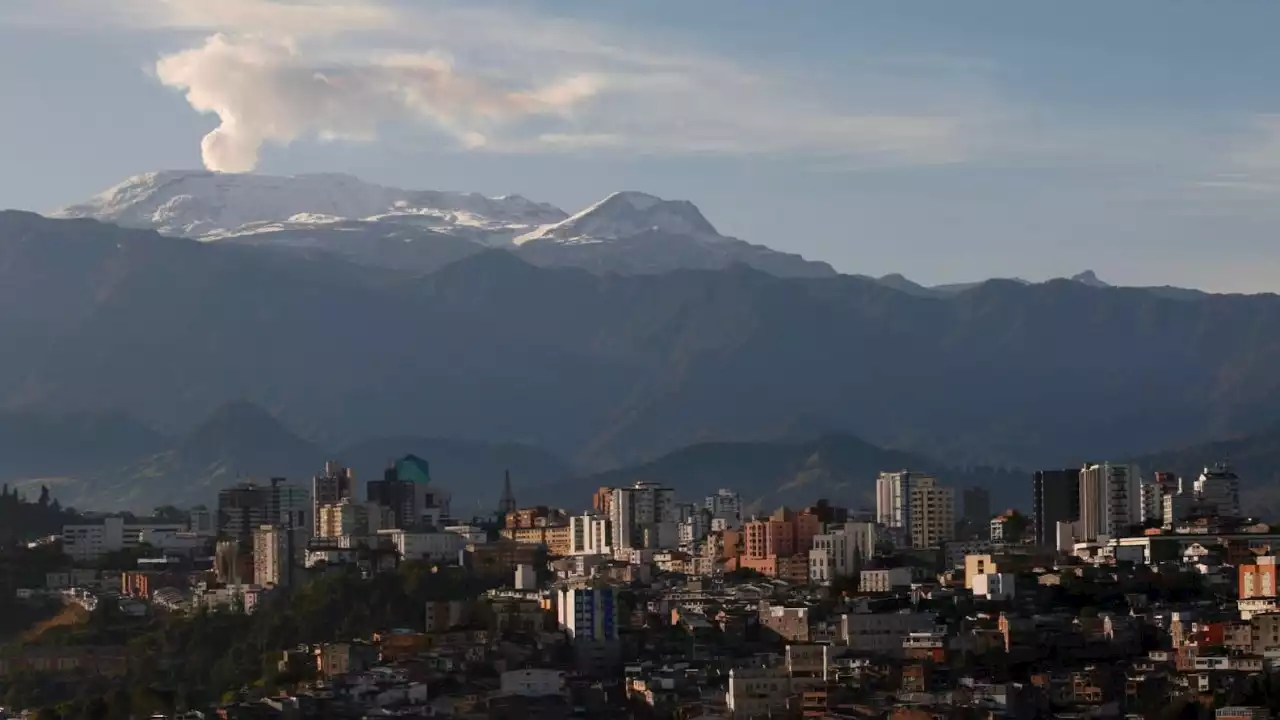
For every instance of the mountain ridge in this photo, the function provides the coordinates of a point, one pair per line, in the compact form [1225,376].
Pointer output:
[608,369]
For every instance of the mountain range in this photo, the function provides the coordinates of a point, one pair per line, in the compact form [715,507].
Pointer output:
[606,369]
[421,231]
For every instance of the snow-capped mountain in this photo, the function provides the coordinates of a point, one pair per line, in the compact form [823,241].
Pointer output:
[207,205]
[627,232]
[626,214]
[632,233]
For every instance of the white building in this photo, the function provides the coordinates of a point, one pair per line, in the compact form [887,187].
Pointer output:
[533,682]
[471,534]
[589,534]
[885,580]
[88,542]
[526,578]
[726,506]
[841,552]
[644,516]
[1110,501]
[433,546]
[994,586]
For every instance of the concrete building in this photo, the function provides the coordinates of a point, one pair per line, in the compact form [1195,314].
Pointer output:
[246,506]
[1219,487]
[1055,496]
[726,506]
[644,516]
[885,580]
[436,546]
[334,485]
[1258,579]
[346,518]
[1110,501]
[882,633]
[842,552]
[589,534]
[87,542]
[275,554]
[994,586]
[933,513]
[893,501]
[590,617]
[757,692]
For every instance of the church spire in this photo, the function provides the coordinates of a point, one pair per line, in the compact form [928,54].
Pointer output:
[508,502]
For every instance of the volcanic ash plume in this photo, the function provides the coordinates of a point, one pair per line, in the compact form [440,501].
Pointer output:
[268,92]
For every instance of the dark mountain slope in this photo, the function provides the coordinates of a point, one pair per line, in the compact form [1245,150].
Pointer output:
[840,468]
[608,369]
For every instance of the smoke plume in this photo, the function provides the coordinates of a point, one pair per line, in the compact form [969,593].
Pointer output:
[268,92]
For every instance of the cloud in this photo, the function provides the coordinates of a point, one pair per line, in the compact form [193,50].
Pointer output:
[1247,166]
[495,78]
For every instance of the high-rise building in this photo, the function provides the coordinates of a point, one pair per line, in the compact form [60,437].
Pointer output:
[349,519]
[644,516]
[274,550]
[589,534]
[406,489]
[893,500]
[915,509]
[1154,491]
[1110,501]
[726,505]
[590,617]
[334,485]
[602,501]
[1219,487]
[1055,498]
[245,506]
[933,513]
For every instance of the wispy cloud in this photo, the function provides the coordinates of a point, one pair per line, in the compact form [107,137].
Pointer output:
[494,78]
[1248,165]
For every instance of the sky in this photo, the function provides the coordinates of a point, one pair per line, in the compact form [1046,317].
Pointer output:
[947,141]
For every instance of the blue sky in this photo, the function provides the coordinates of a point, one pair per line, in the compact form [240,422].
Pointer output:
[945,140]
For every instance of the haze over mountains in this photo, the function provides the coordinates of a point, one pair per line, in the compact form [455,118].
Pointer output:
[613,360]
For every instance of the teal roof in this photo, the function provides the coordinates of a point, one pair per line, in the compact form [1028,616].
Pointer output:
[412,467]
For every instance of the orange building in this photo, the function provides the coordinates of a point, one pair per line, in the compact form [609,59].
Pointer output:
[602,501]
[778,546]
[1258,579]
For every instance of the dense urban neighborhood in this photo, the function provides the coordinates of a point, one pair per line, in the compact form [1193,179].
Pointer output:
[1119,594]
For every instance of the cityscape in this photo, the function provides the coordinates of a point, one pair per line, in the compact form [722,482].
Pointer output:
[660,360]
[1119,594]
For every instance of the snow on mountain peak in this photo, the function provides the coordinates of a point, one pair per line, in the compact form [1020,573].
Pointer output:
[199,203]
[626,214]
